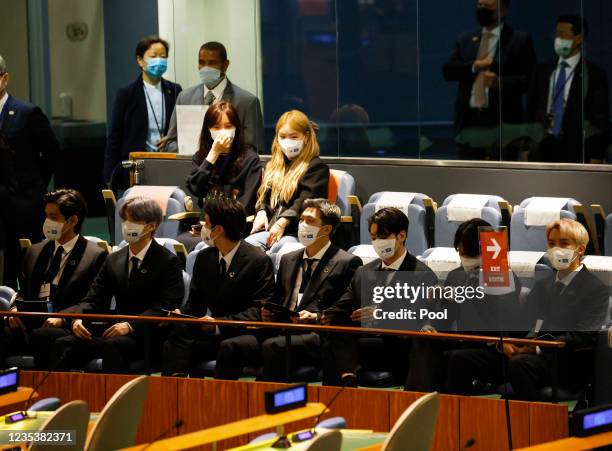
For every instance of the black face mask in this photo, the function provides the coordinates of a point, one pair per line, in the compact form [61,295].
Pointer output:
[485,16]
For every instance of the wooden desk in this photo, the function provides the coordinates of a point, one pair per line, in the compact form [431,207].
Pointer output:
[574,443]
[235,429]
[15,400]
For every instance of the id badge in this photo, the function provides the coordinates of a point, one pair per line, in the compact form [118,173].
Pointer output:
[45,291]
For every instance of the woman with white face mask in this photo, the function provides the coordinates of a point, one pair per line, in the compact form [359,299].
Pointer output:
[223,163]
[142,110]
[294,173]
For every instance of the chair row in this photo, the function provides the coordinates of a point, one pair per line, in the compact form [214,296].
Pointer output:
[430,225]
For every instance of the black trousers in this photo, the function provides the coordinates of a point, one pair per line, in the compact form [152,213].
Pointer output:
[117,352]
[526,372]
[305,350]
[428,363]
[185,347]
[38,342]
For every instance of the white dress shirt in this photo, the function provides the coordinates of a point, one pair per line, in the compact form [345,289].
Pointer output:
[154,97]
[3,101]
[296,297]
[140,256]
[67,250]
[229,256]
[493,41]
[569,74]
[217,90]
[568,278]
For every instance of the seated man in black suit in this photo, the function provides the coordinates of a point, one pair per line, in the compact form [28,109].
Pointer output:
[56,275]
[483,312]
[309,281]
[569,306]
[340,353]
[229,277]
[570,97]
[144,278]
[493,66]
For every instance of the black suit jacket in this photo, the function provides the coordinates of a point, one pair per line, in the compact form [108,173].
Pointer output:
[576,315]
[159,285]
[249,278]
[352,299]
[28,133]
[129,122]
[514,62]
[593,107]
[313,184]
[328,282]
[8,189]
[80,270]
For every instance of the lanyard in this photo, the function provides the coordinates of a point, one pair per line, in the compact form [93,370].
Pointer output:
[159,129]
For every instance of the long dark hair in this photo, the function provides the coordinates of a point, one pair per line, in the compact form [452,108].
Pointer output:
[237,151]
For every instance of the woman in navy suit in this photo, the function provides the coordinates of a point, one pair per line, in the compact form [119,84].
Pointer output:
[142,109]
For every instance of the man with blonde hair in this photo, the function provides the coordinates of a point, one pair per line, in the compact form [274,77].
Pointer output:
[568,306]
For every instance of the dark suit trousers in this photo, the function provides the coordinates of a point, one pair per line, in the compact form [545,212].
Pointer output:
[187,345]
[117,352]
[339,355]
[38,342]
[427,369]
[237,352]
[305,350]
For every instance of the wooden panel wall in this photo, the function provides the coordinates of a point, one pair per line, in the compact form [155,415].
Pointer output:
[203,403]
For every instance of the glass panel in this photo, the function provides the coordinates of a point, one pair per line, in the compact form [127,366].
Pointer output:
[299,47]
[377,113]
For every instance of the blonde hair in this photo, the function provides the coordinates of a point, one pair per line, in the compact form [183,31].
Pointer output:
[571,229]
[280,177]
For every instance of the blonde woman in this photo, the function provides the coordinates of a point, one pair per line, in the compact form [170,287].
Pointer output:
[294,173]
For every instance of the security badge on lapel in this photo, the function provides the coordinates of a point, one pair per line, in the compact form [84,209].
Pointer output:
[231,274]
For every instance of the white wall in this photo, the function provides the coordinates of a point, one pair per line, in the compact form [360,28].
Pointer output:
[14,46]
[77,68]
[187,24]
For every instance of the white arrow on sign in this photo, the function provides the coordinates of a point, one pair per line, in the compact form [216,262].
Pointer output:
[496,248]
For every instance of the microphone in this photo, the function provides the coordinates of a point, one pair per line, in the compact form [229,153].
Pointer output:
[47,374]
[178,424]
[471,442]
[330,403]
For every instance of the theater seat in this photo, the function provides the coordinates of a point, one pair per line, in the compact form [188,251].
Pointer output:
[191,258]
[375,368]
[6,297]
[20,361]
[414,204]
[530,237]
[168,228]
[458,208]
[365,252]
[46,405]
[341,186]
[603,367]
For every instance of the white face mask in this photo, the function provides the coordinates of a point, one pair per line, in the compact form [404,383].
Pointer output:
[561,258]
[291,147]
[470,263]
[211,77]
[307,234]
[563,47]
[384,248]
[229,132]
[131,231]
[53,229]
[205,235]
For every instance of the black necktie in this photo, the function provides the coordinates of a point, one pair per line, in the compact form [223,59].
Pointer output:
[222,269]
[54,267]
[134,271]
[558,288]
[306,274]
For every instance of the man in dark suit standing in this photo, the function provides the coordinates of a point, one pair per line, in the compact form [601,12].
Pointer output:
[569,306]
[144,278]
[229,276]
[309,281]
[215,87]
[493,66]
[9,249]
[340,354]
[28,133]
[570,98]
[57,274]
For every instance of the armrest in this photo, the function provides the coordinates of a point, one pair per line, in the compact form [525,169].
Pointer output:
[346,219]
[354,201]
[593,247]
[185,215]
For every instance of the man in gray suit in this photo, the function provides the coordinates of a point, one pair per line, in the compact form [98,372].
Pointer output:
[215,87]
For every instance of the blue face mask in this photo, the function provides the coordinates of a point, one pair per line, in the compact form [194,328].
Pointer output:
[211,77]
[156,67]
